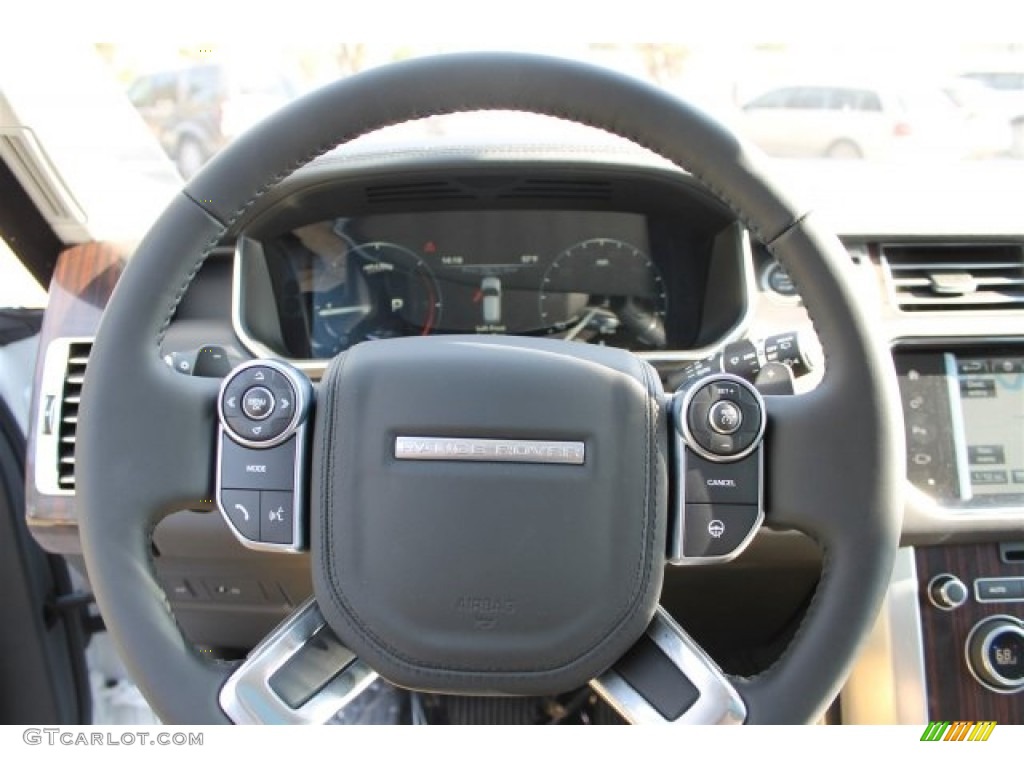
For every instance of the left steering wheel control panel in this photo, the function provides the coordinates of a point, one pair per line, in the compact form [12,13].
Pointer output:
[262,442]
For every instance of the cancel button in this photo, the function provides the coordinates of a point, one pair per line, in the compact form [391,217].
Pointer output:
[708,482]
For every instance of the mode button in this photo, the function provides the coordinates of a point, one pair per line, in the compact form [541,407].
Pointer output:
[257,469]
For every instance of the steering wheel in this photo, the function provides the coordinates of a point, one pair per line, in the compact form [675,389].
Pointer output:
[564,561]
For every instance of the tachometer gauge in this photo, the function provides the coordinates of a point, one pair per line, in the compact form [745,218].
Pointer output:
[605,290]
[403,290]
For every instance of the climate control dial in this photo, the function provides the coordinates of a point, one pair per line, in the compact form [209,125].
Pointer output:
[995,653]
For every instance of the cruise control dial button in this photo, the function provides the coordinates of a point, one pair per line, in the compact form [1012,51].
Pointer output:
[725,417]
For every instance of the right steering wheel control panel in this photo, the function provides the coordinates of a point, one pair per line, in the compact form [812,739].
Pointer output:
[718,425]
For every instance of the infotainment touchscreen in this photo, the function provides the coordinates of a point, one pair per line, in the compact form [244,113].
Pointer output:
[964,419]
[992,403]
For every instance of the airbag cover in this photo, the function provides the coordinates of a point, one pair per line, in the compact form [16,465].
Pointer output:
[486,577]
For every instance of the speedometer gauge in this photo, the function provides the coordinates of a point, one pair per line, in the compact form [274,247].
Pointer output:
[406,296]
[610,291]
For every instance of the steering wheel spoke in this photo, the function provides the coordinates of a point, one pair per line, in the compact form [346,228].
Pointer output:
[816,464]
[174,417]
[667,678]
[301,674]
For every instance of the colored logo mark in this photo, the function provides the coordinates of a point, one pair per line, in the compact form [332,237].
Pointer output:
[961,730]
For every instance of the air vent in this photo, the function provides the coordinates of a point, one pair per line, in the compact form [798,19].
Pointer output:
[78,356]
[490,188]
[955,277]
[57,421]
[560,189]
[425,191]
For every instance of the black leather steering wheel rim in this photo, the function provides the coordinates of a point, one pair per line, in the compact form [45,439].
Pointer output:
[145,445]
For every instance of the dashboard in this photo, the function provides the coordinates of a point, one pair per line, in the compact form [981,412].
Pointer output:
[613,248]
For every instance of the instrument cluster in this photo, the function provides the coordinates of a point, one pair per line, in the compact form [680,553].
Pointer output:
[578,275]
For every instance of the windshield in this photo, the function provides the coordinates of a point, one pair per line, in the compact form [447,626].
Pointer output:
[906,103]
[122,125]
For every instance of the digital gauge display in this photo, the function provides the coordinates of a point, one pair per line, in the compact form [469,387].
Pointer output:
[580,275]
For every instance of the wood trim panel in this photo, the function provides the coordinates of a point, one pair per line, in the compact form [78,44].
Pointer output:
[82,283]
[953,693]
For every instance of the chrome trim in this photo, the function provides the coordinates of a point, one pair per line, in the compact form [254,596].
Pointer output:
[312,368]
[718,702]
[299,428]
[50,399]
[412,448]
[888,684]
[989,600]
[248,699]
[956,418]
[931,595]
[924,517]
[1013,686]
